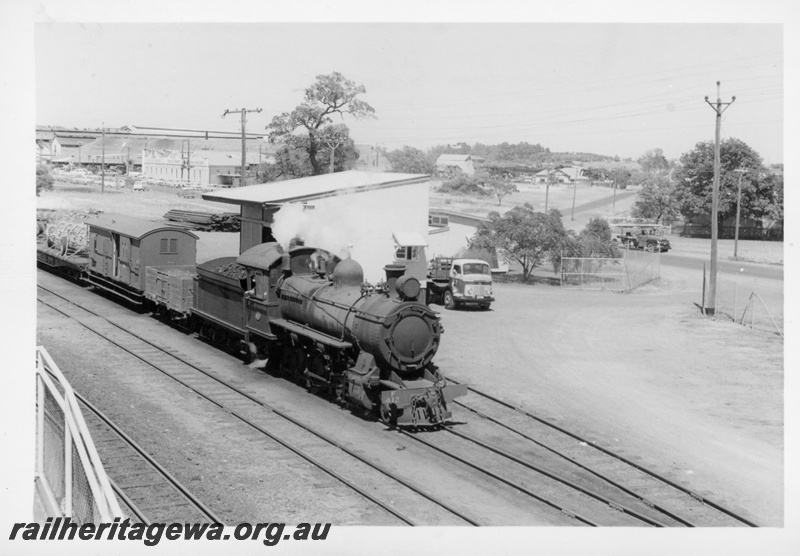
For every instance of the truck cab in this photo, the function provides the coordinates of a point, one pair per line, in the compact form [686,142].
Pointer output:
[460,282]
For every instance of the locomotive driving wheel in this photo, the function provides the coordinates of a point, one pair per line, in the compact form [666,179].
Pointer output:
[293,362]
[320,365]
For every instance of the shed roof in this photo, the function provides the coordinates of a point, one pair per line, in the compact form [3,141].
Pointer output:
[313,187]
[409,239]
[132,227]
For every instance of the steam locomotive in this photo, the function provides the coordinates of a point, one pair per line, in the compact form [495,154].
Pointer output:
[310,314]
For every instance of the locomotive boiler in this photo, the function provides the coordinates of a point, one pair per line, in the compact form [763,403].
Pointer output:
[372,347]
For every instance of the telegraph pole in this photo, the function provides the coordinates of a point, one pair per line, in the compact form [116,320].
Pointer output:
[188,162]
[103,160]
[574,192]
[740,171]
[719,108]
[243,112]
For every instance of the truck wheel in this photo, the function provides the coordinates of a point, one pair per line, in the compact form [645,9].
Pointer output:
[449,300]
[485,306]
[651,248]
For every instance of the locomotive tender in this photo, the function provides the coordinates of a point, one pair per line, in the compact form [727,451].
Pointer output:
[309,313]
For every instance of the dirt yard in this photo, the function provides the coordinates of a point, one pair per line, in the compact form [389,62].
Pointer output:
[645,374]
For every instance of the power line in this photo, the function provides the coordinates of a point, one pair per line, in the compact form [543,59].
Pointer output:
[206,131]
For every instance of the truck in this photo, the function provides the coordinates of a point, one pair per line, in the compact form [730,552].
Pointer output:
[459,282]
[648,237]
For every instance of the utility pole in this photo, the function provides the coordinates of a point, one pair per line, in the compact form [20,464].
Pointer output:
[614,198]
[243,112]
[103,160]
[547,190]
[740,171]
[188,162]
[574,193]
[719,108]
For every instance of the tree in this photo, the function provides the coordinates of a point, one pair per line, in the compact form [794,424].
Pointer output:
[502,188]
[657,200]
[328,95]
[653,162]
[409,160]
[44,181]
[523,235]
[762,194]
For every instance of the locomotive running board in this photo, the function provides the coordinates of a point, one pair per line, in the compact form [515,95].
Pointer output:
[311,334]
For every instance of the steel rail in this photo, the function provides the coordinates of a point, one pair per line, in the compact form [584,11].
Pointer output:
[599,497]
[503,480]
[129,503]
[586,468]
[608,452]
[186,493]
[277,412]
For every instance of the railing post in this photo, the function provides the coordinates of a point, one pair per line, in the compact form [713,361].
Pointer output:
[67,468]
[40,421]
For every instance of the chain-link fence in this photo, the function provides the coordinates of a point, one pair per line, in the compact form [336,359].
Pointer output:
[70,479]
[633,270]
[745,303]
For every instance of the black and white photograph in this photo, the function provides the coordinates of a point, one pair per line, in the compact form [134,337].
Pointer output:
[446,277]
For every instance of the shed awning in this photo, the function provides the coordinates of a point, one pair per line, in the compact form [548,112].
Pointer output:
[409,239]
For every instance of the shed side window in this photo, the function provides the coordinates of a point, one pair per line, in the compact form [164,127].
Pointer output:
[408,253]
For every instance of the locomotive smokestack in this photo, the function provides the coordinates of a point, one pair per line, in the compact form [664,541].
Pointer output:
[393,272]
[286,265]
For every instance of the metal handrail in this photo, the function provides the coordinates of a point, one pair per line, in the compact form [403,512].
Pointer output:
[76,434]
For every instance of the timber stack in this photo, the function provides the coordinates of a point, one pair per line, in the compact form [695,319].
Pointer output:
[203,221]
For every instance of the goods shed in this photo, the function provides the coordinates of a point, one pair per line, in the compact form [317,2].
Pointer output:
[352,213]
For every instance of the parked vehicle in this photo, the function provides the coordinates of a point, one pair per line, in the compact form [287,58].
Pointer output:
[459,282]
[648,237]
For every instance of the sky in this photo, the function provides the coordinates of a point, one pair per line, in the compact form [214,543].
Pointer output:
[605,88]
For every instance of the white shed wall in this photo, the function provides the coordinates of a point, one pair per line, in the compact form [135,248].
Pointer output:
[450,242]
[361,222]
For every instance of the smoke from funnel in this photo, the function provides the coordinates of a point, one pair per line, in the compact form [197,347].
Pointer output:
[330,225]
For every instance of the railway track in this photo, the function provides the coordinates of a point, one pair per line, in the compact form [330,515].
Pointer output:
[383,488]
[148,491]
[605,476]
[545,463]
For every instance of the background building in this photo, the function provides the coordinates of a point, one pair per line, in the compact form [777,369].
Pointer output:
[455,164]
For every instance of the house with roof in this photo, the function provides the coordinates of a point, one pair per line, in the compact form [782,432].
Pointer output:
[568,174]
[455,164]
[378,218]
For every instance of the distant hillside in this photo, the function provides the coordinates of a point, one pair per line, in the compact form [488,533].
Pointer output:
[522,154]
